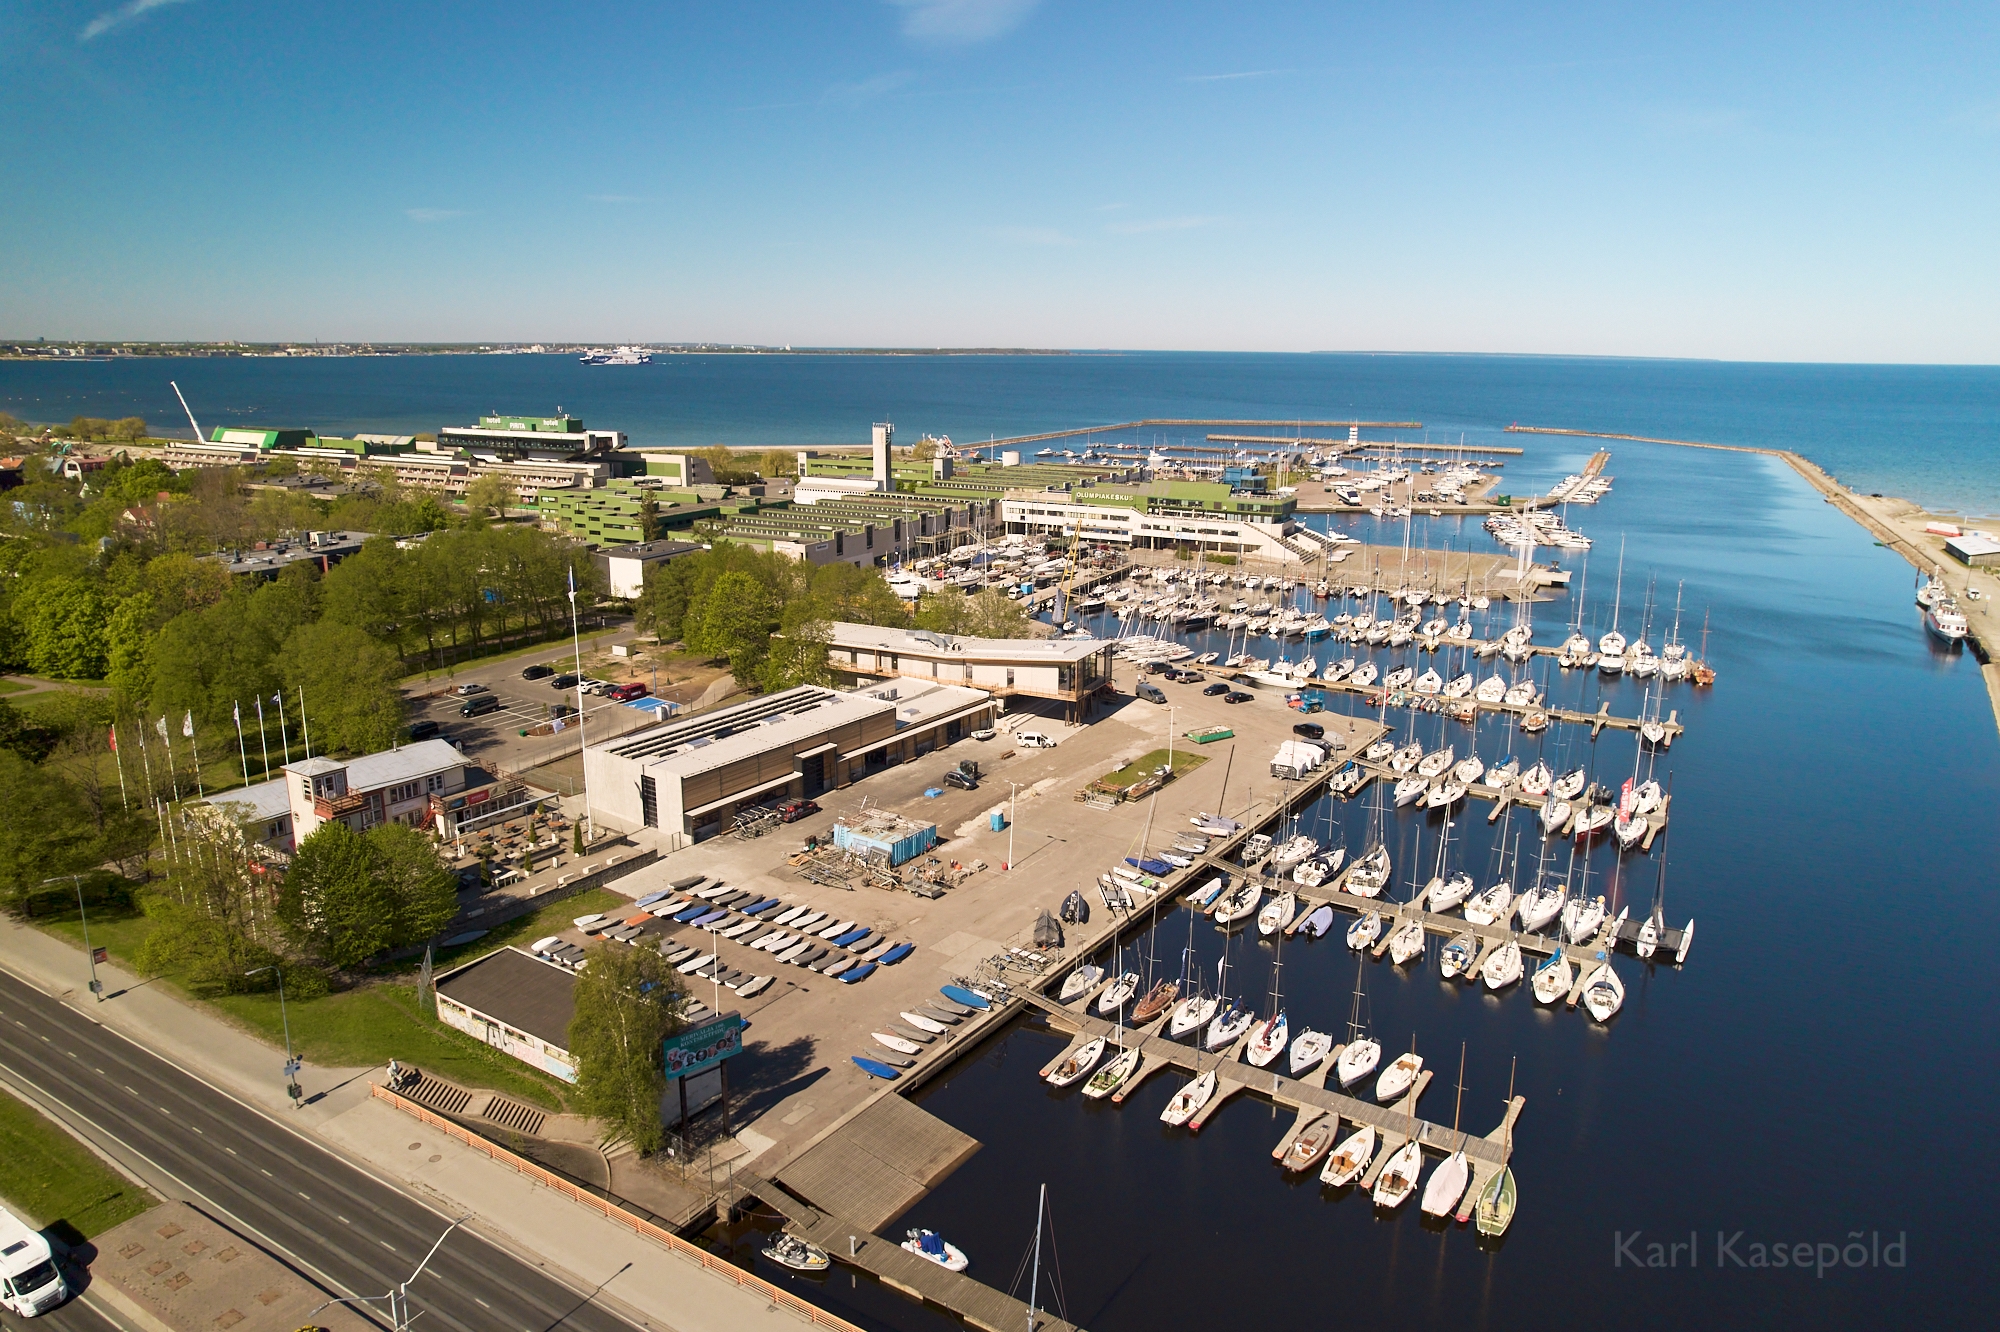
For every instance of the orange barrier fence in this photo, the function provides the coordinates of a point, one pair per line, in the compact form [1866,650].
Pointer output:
[772,1294]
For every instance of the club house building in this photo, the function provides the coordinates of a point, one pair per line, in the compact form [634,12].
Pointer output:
[689,777]
[1067,670]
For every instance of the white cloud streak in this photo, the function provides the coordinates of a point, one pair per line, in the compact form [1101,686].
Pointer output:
[433,214]
[961,22]
[1240,74]
[119,17]
[867,90]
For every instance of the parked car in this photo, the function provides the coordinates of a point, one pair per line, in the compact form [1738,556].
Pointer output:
[563,682]
[538,672]
[468,690]
[1310,730]
[479,705]
[625,693]
[1237,696]
[1034,740]
[1186,677]
[1157,668]
[794,810]
[423,730]
[1149,691]
[953,777]
[1217,688]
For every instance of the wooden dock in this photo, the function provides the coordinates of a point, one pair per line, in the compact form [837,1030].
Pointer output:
[1307,1097]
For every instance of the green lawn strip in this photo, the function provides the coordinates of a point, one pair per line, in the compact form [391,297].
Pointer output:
[377,1020]
[55,1182]
[13,687]
[1185,762]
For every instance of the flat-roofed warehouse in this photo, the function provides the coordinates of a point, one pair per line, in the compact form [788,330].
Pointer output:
[516,1002]
[1070,670]
[689,777]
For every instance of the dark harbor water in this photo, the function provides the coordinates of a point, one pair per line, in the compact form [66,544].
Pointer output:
[1820,1072]
[1929,432]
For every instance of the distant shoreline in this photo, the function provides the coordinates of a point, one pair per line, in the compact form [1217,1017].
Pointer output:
[98,353]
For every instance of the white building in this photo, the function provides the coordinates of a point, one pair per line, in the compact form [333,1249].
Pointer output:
[1052,514]
[394,786]
[1070,670]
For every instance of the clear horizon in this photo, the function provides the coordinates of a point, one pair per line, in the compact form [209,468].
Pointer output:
[1712,183]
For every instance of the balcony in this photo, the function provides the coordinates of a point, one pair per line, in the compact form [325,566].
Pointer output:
[333,807]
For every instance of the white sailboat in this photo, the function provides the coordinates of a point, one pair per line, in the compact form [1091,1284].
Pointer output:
[1308,1050]
[1553,978]
[1447,1183]
[1398,1179]
[1350,1160]
[1078,1064]
[1365,930]
[1357,1058]
[1277,913]
[1397,1078]
[1603,992]
[1189,1100]
[1456,957]
[1503,966]
[1078,983]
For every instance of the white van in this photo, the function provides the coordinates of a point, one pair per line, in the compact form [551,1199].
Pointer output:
[31,1282]
[1034,740]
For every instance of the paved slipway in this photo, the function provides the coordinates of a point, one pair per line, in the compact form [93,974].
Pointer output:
[346,1190]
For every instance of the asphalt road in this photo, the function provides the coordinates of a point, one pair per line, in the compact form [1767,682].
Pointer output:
[347,1230]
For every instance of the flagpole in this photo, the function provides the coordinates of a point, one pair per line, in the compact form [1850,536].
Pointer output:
[146,761]
[187,731]
[304,724]
[173,777]
[582,739]
[115,758]
[237,709]
[284,732]
[263,741]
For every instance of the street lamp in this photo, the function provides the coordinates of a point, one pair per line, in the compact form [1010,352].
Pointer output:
[96,986]
[399,1295]
[291,1060]
[1012,792]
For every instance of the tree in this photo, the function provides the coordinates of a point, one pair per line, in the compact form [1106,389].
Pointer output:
[211,917]
[798,656]
[628,1001]
[736,618]
[988,614]
[349,896]
[49,830]
[492,493]
[352,701]
[62,621]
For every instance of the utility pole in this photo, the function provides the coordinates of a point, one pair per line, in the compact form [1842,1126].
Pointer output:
[96,986]
[291,1060]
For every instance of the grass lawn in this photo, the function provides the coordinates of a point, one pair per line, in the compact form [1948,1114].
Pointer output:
[54,1181]
[1185,762]
[379,1019]
[13,686]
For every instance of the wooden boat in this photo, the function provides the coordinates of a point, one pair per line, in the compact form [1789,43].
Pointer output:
[1112,1076]
[1309,1143]
[1078,1064]
[1350,1161]
[1156,1001]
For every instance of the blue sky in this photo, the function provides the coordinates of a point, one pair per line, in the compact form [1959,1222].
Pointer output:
[1808,182]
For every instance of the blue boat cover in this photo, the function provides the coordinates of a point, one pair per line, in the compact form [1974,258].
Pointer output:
[852,937]
[651,898]
[698,909]
[932,1243]
[875,1068]
[714,915]
[896,954]
[855,973]
[759,908]
[958,994]
[1149,865]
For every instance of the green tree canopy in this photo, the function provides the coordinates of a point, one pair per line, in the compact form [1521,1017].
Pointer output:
[349,895]
[628,1001]
[352,701]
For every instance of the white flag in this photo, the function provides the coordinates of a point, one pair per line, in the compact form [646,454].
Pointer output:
[161,727]
[236,711]
[187,724]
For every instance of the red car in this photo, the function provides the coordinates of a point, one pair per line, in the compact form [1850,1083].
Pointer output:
[625,693]
[794,810]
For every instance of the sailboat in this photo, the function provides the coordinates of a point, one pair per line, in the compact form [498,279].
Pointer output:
[1398,1179]
[1189,1100]
[1362,1052]
[1398,1077]
[1113,1075]
[1309,1143]
[1612,644]
[1078,983]
[1494,1211]
[1078,1064]
[1503,965]
[1273,1033]
[1447,1183]
[1351,1159]
[1553,978]
[1197,1008]
[1308,1050]
[1603,992]
[1277,913]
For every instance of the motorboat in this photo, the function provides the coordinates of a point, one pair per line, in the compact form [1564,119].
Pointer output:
[1457,957]
[1491,906]
[1277,913]
[1398,1179]
[1444,894]
[1310,1143]
[1365,930]
[1555,814]
[1553,978]
[1603,993]
[1503,966]
[1078,1064]
[1357,1060]
[1078,983]
[1946,622]
[1537,780]
[1398,1077]
[1227,1026]
[1406,942]
[1112,1076]
[793,1252]
[1350,1160]
[1269,1041]
[1189,1100]
[1308,1050]
[1118,992]
[929,1244]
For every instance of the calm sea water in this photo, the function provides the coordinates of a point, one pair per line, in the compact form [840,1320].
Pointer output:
[1824,1065]
[1929,432]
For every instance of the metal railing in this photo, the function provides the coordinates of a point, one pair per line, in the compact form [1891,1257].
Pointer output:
[722,1267]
